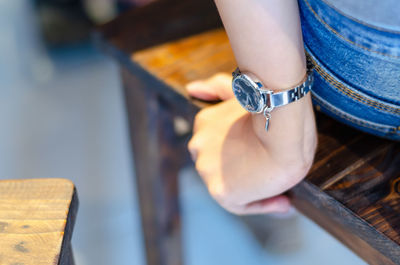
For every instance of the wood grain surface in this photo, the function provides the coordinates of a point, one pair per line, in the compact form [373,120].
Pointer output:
[353,187]
[169,63]
[36,220]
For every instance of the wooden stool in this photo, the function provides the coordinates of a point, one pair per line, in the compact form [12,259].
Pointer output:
[37,217]
[352,189]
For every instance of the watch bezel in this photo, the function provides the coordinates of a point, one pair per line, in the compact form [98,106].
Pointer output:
[256,89]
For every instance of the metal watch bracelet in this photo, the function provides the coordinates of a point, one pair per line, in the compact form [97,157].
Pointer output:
[277,99]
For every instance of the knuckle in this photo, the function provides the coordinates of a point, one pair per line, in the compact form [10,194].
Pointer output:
[237,211]
[227,198]
[223,195]
[197,122]
[300,169]
[233,210]
[204,114]
[191,144]
[201,168]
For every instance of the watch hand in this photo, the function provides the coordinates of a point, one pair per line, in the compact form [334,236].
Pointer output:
[247,100]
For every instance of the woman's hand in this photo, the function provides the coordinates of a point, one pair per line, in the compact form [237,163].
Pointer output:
[245,168]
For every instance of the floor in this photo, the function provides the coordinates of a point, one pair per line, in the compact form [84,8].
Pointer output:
[62,115]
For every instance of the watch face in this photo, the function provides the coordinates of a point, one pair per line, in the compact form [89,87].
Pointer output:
[247,94]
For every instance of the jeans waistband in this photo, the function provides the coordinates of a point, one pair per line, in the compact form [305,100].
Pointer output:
[365,58]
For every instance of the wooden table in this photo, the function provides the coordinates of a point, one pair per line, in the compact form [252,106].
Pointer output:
[352,190]
[37,217]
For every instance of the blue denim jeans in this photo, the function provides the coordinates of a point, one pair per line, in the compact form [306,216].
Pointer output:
[356,69]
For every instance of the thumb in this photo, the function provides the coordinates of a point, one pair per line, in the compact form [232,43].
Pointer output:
[217,87]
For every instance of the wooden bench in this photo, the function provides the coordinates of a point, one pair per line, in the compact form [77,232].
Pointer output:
[352,190]
[37,217]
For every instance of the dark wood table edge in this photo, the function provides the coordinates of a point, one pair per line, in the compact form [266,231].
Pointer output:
[66,253]
[334,217]
[181,105]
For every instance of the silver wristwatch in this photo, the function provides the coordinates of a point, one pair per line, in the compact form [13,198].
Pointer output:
[255,98]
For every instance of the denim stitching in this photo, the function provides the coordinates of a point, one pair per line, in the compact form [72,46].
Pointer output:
[362,22]
[348,92]
[342,37]
[391,130]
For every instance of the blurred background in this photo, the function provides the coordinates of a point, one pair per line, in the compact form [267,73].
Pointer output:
[62,115]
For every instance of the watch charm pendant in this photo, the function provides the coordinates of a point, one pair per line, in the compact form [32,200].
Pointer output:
[267,115]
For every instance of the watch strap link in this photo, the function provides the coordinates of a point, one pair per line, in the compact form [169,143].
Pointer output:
[285,97]
[288,96]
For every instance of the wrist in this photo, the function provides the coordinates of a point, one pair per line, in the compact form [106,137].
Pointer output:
[292,128]
[290,145]
[283,80]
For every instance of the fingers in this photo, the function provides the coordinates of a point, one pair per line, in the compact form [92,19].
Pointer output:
[194,144]
[277,204]
[217,87]
[192,147]
[206,118]
[217,149]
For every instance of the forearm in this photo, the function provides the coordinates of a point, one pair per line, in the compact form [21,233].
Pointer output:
[266,39]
